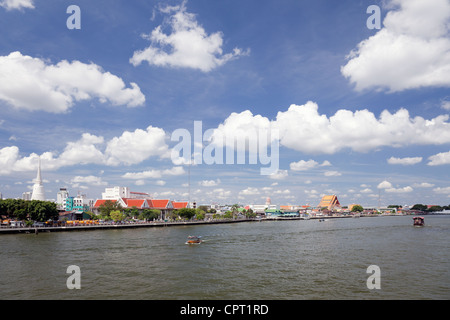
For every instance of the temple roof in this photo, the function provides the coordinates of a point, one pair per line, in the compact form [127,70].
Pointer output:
[329,201]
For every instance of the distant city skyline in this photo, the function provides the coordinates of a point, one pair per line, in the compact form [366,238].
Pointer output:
[361,109]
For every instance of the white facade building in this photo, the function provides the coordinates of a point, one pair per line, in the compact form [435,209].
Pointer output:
[26,195]
[116,193]
[82,201]
[61,197]
[261,208]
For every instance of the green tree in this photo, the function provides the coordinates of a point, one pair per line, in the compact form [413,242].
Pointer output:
[132,212]
[200,214]
[34,210]
[357,208]
[419,207]
[187,213]
[107,207]
[91,215]
[42,210]
[228,215]
[117,215]
[435,208]
[149,214]
[249,213]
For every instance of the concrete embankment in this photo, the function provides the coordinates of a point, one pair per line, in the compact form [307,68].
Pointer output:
[37,230]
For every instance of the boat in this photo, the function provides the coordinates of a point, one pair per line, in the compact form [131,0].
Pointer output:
[193,240]
[419,221]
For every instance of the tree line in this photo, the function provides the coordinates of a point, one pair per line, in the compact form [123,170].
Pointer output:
[111,210]
[424,208]
[34,210]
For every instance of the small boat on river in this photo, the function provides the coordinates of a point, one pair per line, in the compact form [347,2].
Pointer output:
[419,221]
[193,240]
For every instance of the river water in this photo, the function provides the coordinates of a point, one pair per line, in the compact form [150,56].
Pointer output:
[277,260]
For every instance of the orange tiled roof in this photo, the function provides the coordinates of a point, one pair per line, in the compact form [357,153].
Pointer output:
[158,204]
[99,202]
[138,203]
[179,205]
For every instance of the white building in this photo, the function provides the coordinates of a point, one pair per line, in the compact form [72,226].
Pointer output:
[26,195]
[116,193]
[38,188]
[81,201]
[61,198]
[261,208]
[139,195]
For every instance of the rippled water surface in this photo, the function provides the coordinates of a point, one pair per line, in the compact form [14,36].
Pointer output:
[251,260]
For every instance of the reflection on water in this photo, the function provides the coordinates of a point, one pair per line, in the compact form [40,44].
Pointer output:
[260,260]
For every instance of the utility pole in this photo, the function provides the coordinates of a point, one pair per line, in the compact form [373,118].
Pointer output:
[189,182]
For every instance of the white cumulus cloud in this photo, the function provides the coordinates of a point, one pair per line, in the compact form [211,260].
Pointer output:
[187,45]
[279,175]
[303,128]
[440,190]
[209,183]
[303,165]
[134,147]
[384,185]
[405,161]
[127,149]
[332,173]
[411,51]
[400,190]
[17,4]
[34,84]
[388,187]
[439,159]
[423,185]
[90,180]
[8,157]
[154,173]
[249,191]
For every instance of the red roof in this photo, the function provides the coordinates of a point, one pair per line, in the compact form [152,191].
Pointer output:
[141,203]
[179,205]
[138,203]
[158,204]
[99,202]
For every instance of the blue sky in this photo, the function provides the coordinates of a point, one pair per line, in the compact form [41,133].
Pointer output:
[362,113]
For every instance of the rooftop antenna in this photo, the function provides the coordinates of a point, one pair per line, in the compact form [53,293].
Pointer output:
[379,199]
[189,182]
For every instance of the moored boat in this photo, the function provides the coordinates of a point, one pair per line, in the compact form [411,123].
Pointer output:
[419,221]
